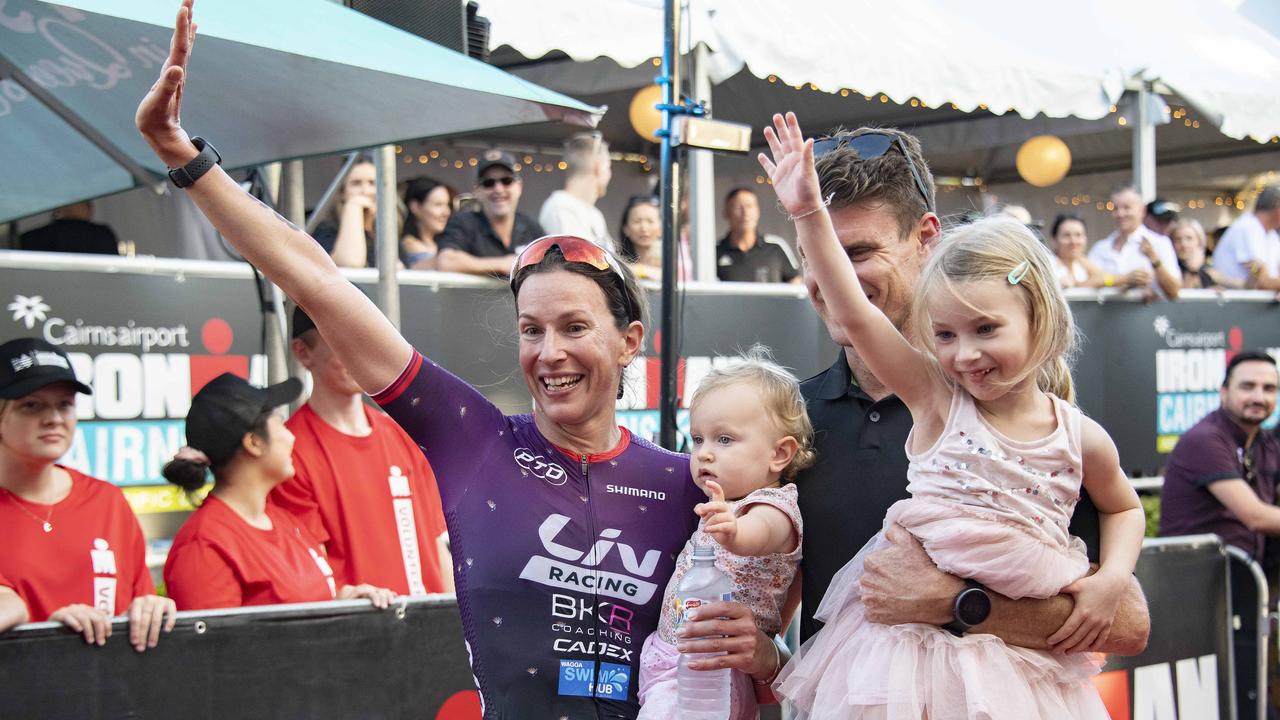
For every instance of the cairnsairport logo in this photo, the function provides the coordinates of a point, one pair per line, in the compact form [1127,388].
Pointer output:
[1189,371]
[143,378]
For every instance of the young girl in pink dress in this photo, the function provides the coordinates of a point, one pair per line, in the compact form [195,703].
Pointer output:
[751,435]
[998,454]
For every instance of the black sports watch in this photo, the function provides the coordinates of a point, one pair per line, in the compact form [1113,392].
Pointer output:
[188,174]
[972,607]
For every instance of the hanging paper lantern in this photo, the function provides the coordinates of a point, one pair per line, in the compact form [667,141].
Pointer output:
[646,118]
[1043,160]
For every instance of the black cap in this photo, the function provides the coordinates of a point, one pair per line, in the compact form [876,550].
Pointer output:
[28,364]
[302,322]
[495,158]
[1163,209]
[225,409]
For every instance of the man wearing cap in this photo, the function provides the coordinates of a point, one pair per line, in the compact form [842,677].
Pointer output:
[1160,215]
[1134,256]
[486,242]
[73,550]
[361,486]
[1250,249]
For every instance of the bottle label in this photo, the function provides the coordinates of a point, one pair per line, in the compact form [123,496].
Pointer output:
[684,606]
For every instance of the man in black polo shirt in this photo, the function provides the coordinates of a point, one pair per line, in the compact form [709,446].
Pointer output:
[486,242]
[882,208]
[744,255]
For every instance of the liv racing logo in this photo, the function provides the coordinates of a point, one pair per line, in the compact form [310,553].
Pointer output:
[540,466]
[575,569]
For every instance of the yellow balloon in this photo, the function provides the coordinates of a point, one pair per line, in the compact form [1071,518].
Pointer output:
[1043,160]
[646,118]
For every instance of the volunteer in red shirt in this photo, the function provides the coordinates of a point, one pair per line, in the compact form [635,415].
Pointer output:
[73,550]
[361,486]
[237,549]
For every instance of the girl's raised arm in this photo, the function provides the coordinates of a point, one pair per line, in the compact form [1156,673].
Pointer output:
[367,343]
[889,356]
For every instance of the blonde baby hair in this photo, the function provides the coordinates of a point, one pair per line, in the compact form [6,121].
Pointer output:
[996,248]
[780,391]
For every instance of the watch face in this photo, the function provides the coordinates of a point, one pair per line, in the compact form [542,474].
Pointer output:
[973,606]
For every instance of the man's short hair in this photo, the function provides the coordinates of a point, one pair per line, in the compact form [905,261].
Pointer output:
[734,193]
[582,151]
[1245,356]
[887,179]
[1268,199]
[1124,187]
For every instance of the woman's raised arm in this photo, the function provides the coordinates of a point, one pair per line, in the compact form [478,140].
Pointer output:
[366,342]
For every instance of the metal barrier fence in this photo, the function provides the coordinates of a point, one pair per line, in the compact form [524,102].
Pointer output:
[346,660]
[315,660]
[1254,608]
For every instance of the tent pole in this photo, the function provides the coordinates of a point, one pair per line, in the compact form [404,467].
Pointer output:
[387,229]
[276,334]
[1144,145]
[702,174]
[670,80]
[329,196]
[293,205]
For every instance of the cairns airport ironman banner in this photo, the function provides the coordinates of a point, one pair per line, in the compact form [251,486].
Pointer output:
[147,338]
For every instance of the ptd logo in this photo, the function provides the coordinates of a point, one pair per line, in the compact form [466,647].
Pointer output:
[539,466]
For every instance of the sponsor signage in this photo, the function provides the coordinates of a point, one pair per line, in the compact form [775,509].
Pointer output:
[147,337]
[1185,672]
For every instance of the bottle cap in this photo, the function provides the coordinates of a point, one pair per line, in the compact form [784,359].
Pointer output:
[706,551]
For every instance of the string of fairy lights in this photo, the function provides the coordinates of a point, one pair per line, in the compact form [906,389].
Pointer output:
[543,161]
[535,161]
[1237,200]
[1180,113]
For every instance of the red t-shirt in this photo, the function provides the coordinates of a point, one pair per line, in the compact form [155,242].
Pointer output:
[93,555]
[371,500]
[219,560]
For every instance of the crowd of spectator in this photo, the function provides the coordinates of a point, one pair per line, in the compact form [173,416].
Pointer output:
[1154,249]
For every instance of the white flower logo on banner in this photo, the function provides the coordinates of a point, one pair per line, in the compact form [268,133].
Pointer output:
[1161,325]
[28,310]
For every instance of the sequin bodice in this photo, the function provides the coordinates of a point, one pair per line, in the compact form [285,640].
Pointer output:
[1033,485]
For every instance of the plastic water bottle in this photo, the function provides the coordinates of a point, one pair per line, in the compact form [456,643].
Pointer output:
[703,694]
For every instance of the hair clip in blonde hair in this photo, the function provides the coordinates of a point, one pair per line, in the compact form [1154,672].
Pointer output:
[1019,271]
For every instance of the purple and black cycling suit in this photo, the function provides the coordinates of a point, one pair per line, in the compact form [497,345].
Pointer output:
[560,560]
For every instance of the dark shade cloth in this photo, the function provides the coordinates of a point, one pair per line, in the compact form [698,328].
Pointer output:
[471,233]
[861,471]
[766,261]
[1213,450]
[71,236]
[326,236]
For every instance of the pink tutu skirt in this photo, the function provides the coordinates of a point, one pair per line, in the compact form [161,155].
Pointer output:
[854,668]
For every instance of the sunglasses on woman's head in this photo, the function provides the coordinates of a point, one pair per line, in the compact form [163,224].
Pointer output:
[873,145]
[491,183]
[575,250]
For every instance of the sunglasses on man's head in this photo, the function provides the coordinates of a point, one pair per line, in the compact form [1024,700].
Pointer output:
[491,183]
[575,250]
[873,145]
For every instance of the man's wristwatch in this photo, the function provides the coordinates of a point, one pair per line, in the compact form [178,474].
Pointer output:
[971,608]
[188,174]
